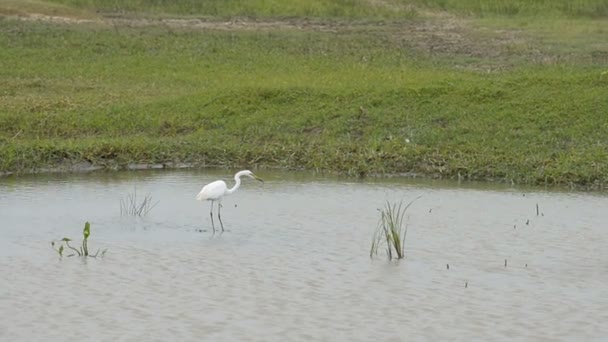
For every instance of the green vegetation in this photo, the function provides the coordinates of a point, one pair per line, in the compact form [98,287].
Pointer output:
[535,8]
[83,251]
[391,230]
[341,8]
[249,8]
[371,87]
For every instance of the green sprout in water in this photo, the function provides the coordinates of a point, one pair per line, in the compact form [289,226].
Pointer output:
[391,230]
[83,251]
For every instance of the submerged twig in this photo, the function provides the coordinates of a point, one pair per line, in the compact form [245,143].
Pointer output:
[130,205]
[67,243]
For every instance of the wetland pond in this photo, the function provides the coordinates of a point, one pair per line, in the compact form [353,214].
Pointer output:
[294,264]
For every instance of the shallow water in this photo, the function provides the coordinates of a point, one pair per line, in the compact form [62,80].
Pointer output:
[295,263]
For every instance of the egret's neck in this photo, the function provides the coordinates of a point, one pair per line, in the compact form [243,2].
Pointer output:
[237,179]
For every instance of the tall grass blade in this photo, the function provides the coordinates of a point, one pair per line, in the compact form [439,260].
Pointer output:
[391,230]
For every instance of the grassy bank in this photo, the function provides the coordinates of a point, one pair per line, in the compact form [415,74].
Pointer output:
[337,8]
[522,8]
[335,95]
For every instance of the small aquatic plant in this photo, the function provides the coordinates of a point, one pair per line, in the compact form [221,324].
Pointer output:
[130,205]
[391,230]
[83,251]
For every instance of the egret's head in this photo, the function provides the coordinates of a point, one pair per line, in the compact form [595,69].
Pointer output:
[251,175]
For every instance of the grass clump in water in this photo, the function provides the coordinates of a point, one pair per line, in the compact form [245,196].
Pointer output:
[83,251]
[391,230]
[131,206]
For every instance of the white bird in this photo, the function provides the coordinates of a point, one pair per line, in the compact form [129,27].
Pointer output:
[215,192]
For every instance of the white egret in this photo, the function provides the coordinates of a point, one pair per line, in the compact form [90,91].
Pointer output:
[215,192]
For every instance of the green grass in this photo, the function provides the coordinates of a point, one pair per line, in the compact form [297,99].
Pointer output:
[359,99]
[347,8]
[249,8]
[391,230]
[518,8]
[24,7]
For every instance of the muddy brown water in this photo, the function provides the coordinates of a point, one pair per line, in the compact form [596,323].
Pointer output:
[294,265]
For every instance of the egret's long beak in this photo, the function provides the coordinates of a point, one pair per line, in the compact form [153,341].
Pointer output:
[258,178]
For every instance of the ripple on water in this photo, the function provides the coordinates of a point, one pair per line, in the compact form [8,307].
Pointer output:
[294,265]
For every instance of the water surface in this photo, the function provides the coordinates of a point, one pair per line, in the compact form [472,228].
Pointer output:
[294,264]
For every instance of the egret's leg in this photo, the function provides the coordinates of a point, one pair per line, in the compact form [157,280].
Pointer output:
[211,215]
[219,214]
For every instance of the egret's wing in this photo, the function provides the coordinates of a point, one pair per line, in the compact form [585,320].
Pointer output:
[212,191]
